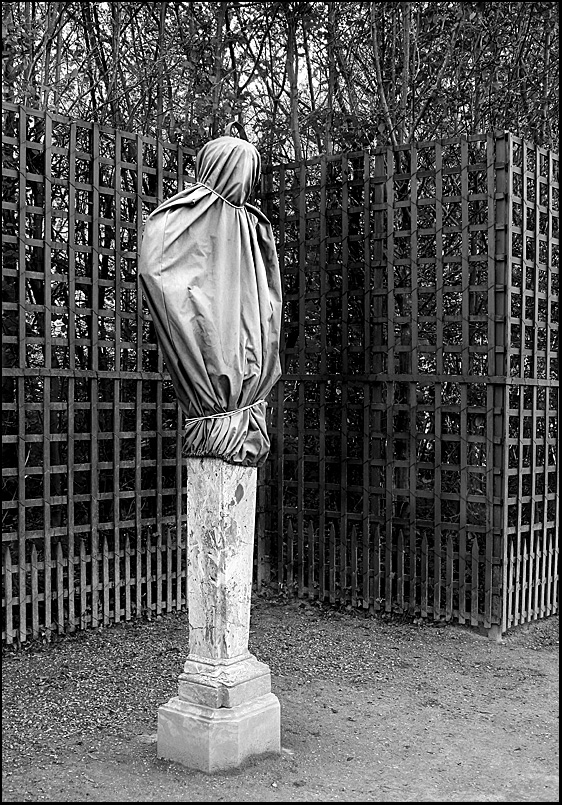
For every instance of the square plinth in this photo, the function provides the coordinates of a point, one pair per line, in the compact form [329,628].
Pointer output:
[216,739]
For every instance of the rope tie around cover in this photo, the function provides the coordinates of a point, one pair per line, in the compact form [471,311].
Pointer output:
[225,413]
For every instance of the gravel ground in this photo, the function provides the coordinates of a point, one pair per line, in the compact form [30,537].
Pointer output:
[372,709]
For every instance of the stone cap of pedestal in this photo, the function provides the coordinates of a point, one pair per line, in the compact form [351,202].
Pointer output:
[227,684]
[216,662]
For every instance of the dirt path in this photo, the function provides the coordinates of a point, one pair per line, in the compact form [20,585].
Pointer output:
[372,710]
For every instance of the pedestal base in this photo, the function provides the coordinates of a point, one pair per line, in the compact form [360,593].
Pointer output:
[215,739]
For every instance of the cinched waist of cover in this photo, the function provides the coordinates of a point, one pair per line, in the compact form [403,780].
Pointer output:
[225,413]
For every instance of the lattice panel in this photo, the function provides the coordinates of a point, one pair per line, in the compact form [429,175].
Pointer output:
[391,414]
[533,402]
[91,429]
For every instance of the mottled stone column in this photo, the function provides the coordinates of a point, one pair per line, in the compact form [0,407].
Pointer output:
[224,711]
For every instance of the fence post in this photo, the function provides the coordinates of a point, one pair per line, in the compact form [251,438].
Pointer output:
[499,245]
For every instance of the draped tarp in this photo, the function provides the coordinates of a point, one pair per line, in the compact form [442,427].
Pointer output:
[209,271]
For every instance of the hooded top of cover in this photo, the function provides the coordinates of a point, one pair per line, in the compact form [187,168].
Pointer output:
[229,166]
[209,271]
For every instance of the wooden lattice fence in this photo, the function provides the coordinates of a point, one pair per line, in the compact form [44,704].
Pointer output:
[415,428]
[413,462]
[92,435]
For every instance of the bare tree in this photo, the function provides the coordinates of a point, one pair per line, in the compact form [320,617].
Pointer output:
[302,76]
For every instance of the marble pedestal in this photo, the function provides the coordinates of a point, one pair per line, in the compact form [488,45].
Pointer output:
[225,711]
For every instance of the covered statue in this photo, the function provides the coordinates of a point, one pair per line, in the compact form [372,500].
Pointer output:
[209,270]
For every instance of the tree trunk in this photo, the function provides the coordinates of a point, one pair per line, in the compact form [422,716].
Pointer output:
[160,86]
[330,36]
[219,48]
[380,83]
[8,71]
[292,72]
[311,85]
[404,93]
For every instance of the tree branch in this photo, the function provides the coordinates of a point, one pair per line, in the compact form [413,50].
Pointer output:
[382,93]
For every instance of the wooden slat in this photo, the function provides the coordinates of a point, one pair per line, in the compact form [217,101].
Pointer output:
[140,343]
[127,577]
[541,604]
[529,615]
[106,583]
[517,586]
[83,587]
[158,451]
[412,358]
[280,531]
[439,368]
[343,563]
[159,576]
[497,424]
[413,578]
[59,593]
[332,563]
[22,448]
[312,575]
[302,264]
[9,634]
[138,499]
[71,549]
[47,560]
[354,585]
[279,526]
[288,577]
[488,590]
[323,342]
[499,287]
[117,200]
[34,593]
[149,551]
[400,571]
[367,593]
[536,581]
[389,575]
[524,605]
[551,564]
[322,590]
[345,345]
[180,597]
[94,385]
[463,465]
[180,497]
[360,586]
[510,586]
[474,579]
[116,478]
[449,576]
[551,534]
[377,567]
[169,572]
[301,588]
[463,615]
[392,368]
[378,390]
[424,581]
